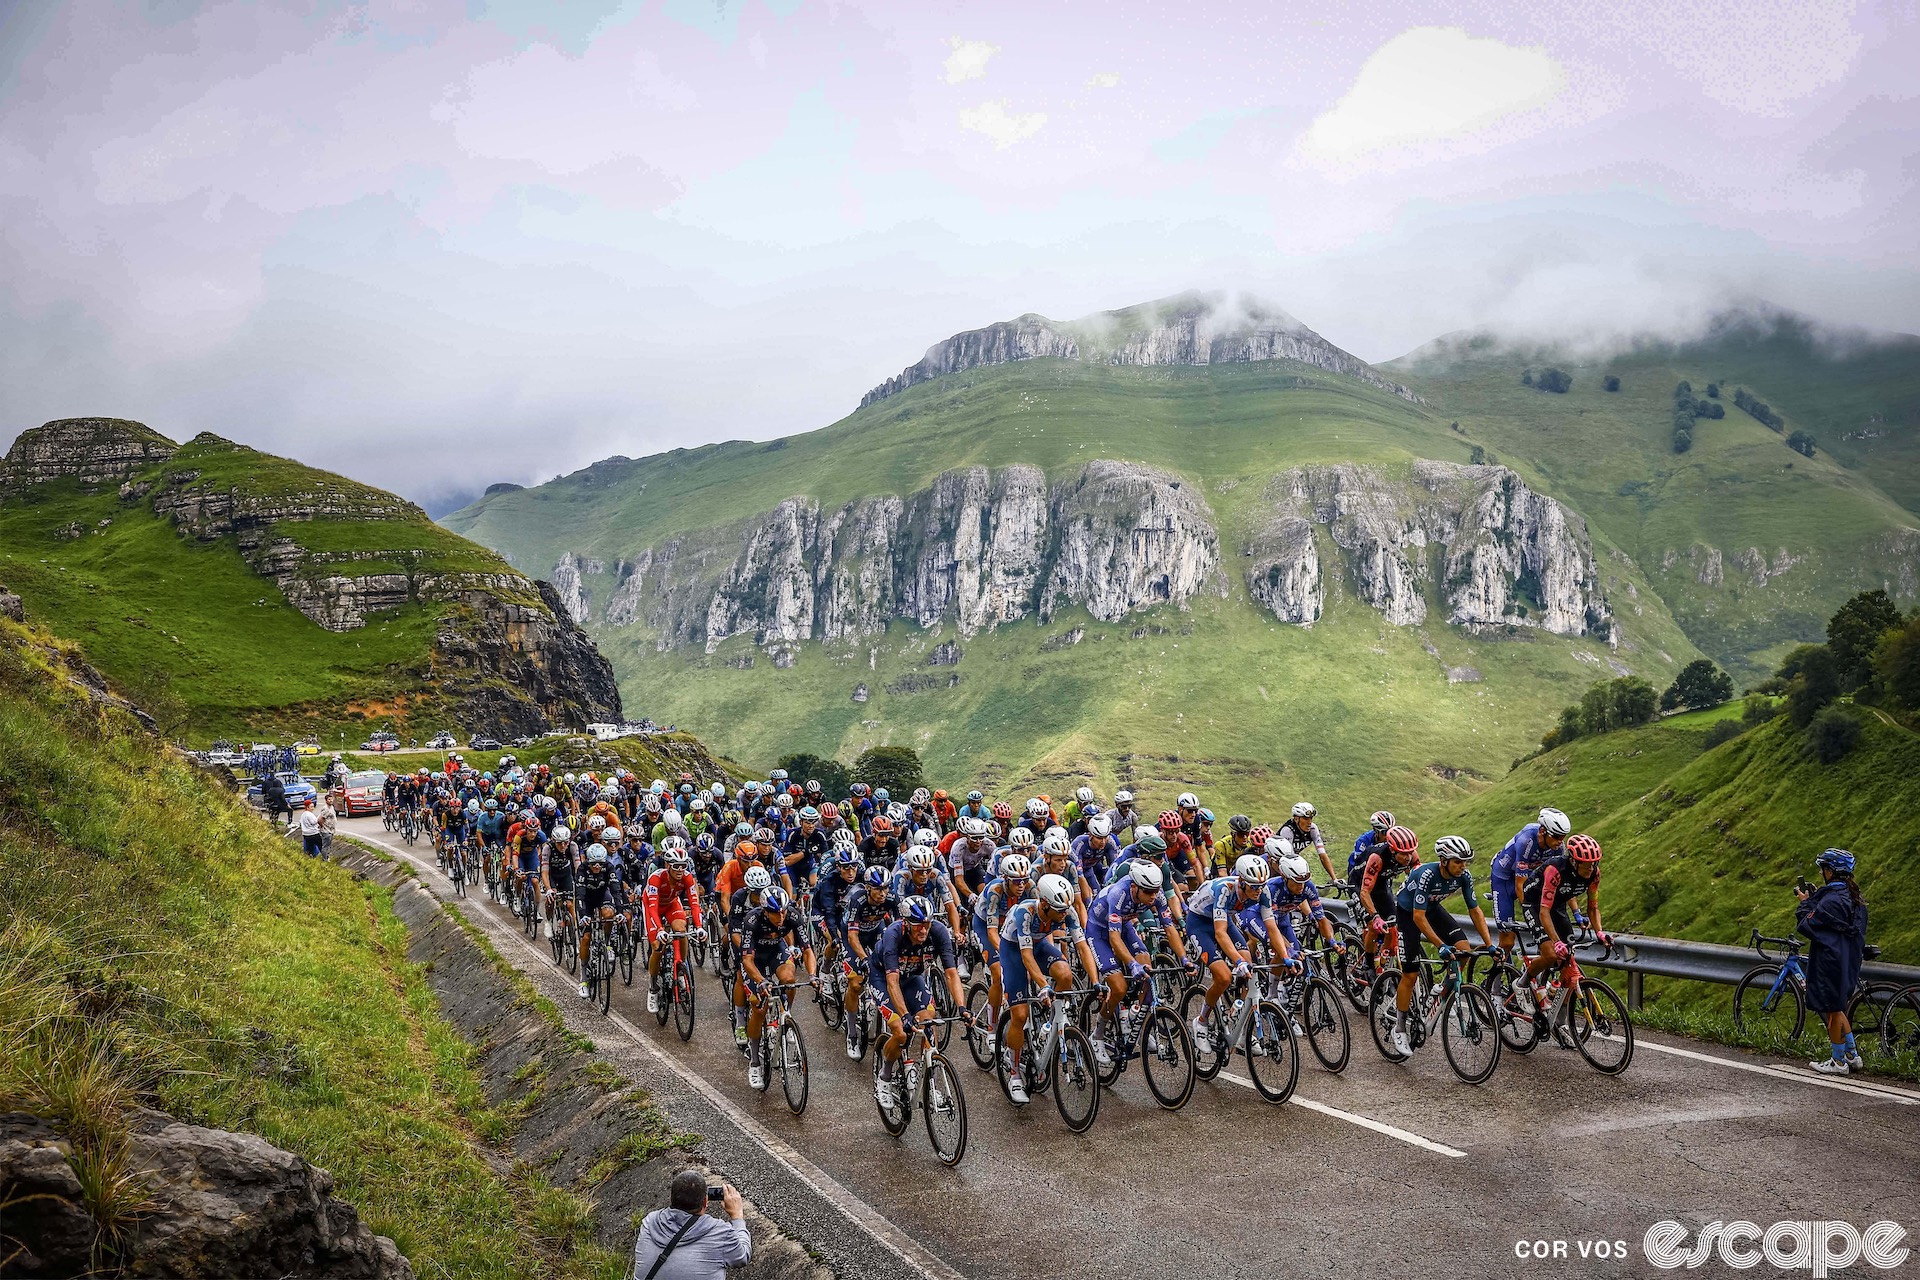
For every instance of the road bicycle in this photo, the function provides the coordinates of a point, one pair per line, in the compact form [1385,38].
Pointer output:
[1355,973]
[782,1046]
[1149,1029]
[1461,1012]
[1309,994]
[490,867]
[1579,1012]
[1771,1001]
[674,983]
[1252,1023]
[409,827]
[456,865]
[927,1080]
[387,818]
[528,898]
[831,992]
[601,963]
[1057,1055]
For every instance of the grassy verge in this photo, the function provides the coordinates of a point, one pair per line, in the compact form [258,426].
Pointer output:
[159,947]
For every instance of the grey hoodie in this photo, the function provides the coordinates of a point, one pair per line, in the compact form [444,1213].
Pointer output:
[710,1246]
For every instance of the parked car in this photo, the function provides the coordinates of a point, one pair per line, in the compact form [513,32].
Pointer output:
[484,743]
[299,790]
[222,752]
[361,792]
[381,741]
[442,741]
[258,747]
[525,740]
[307,748]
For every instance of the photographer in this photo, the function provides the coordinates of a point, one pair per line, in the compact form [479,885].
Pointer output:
[681,1243]
[1834,916]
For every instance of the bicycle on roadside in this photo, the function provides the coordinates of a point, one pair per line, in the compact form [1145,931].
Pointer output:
[1771,1002]
[1577,1011]
[928,1081]
[1444,1003]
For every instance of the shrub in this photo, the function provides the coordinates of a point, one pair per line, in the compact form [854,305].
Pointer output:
[895,768]
[1713,391]
[804,766]
[1817,685]
[1896,663]
[1723,731]
[1526,377]
[1699,684]
[1854,634]
[1800,442]
[1758,408]
[1477,456]
[1759,709]
[1558,381]
[1612,383]
[1682,441]
[1832,734]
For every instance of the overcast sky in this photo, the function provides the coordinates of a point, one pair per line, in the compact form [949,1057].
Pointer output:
[439,243]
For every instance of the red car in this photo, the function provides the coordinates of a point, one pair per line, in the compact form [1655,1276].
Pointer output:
[361,793]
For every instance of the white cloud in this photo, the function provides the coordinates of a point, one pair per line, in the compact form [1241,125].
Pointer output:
[1431,84]
[1005,128]
[1104,80]
[969,59]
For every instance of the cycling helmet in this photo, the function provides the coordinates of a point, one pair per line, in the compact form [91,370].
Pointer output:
[1144,830]
[1584,848]
[1304,810]
[809,814]
[916,910]
[813,788]
[1016,866]
[1056,844]
[920,859]
[492,805]
[746,849]
[882,825]
[1146,875]
[743,829]
[926,837]
[1276,849]
[1293,867]
[1055,892]
[704,842]
[1123,796]
[1838,861]
[1020,838]
[939,795]
[1149,843]
[1169,820]
[778,775]
[1100,825]
[1457,847]
[473,806]
[677,860]
[718,789]
[1002,811]
[1402,839]
[1187,800]
[613,833]
[653,803]
[776,901]
[1380,821]
[1037,808]
[1084,795]
[697,805]
[673,819]
[763,835]
[1251,868]
[1206,816]
[974,797]
[1259,836]
[658,786]
[596,853]
[921,796]
[784,800]
[596,822]
[550,803]
[561,835]
[570,779]
[1554,823]
[829,810]
[758,879]
[845,855]
[880,795]
[859,790]
[673,844]
[973,828]
[1240,824]
[877,877]
[753,788]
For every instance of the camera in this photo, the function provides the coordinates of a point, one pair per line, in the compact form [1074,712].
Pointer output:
[716,1193]
[1802,884]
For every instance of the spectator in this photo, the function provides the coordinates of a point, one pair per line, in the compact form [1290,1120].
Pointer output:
[1834,916]
[329,823]
[273,794]
[681,1243]
[307,823]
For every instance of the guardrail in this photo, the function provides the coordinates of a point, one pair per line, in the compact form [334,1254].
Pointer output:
[1639,956]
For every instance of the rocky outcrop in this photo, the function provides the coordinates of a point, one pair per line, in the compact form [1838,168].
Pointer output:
[1189,329]
[521,666]
[223,1204]
[567,583]
[976,548]
[94,451]
[1494,552]
[503,486]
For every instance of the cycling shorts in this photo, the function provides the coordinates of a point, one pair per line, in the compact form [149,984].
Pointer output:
[1200,934]
[1103,950]
[670,920]
[1503,899]
[974,877]
[915,990]
[768,957]
[528,863]
[1562,925]
[980,935]
[1413,942]
[1013,968]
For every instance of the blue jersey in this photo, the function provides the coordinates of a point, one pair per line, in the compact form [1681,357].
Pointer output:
[1115,906]
[1024,925]
[861,914]
[1426,887]
[934,889]
[1369,843]
[896,953]
[1095,862]
[990,905]
[830,898]
[1285,899]
[1219,899]
[1520,856]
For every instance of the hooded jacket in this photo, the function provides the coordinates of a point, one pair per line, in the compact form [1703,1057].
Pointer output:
[710,1246]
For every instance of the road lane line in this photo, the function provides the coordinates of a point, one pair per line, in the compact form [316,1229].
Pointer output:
[1365,1122]
[1774,1071]
[894,1238]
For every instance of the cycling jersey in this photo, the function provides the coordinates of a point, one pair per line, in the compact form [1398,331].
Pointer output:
[743,903]
[1095,862]
[1220,899]
[1426,887]
[1369,843]
[866,916]
[560,866]
[1024,928]
[595,887]
[934,888]
[769,943]
[1516,861]
[668,900]
[801,852]
[523,843]
[1286,900]
[1116,907]
[1557,881]
[915,963]
[1293,837]
[828,901]
[879,853]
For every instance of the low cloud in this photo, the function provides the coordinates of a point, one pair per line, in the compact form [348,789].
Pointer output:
[1004,127]
[1104,80]
[969,59]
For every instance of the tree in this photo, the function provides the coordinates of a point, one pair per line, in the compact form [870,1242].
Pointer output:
[1897,663]
[1612,383]
[1713,391]
[1817,685]
[1558,381]
[1832,734]
[1477,456]
[1615,704]
[1854,634]
[1526,377]
[1682,441]
[1722,731]
[804,766]
[1794,662]
[1800,442]
[1699,684]
[895,768]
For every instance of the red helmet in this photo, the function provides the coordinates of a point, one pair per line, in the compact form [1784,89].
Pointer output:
[1003,811]
[1583,848]
[1169,820]
[1259,836]
[882,825]
[1402,839]
[829,810]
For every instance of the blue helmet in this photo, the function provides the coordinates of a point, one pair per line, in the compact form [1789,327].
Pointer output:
[917,910]
[877,877]
[880,794]
[1838,861]
[776,900]
[848,856]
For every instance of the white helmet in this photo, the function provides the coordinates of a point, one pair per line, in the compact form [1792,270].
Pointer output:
[758,879]
[920,859]
[1100,825]
[1554,822]
[673,819]
[1056,844]
[674,844]
[1055,830]
[1084,795]
[596,822]
[697,805]
[1123,796]
[549,803]
[1037,808]
[561,835]
[1016,866]
[1251,868]
[1020,838]
[1277,849]
[1055,892]
[1146,875]
[570,779]
[927,837]
[1144,830]
[843,838]
[613,833]
[1188,800]
[973,828]
[1293,867]
[1304,810]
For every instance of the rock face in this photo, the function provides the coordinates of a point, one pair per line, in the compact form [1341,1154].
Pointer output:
[224,1204]
[520,666]
[94,451]
[1497,553]
[1189,329]
[975,548]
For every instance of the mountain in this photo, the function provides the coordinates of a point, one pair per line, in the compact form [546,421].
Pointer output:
[234,591]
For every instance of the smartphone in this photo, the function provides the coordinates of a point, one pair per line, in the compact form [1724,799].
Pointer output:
[1802,884]
[716,1193]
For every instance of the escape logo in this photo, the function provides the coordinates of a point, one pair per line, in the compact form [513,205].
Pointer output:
[1788,1246]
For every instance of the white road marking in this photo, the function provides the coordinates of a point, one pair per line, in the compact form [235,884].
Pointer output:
[1365,1122]
[897,1241]
[1774,1071]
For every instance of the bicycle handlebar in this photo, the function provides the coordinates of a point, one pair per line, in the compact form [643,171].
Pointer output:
[1760,942]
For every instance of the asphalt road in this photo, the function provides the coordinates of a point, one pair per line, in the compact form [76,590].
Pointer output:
[1385,1169]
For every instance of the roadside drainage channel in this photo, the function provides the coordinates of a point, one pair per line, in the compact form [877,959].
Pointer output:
[574,1121]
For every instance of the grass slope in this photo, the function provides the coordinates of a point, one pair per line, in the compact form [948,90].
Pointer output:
[159,946]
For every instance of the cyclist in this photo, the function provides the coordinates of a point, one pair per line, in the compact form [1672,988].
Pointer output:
[1076,807]
[827,905]
[803,849]
[1217,913]
[990,907]
[556,875]
[1371,841]
[524,839]
[908,948]
[1029,961]
[1531,845]
[599,894]
[868,910]
[1125,816]
[975,807]
[1293,892]
[1398,852]
[944,814]
[920,810]
[1221,857]
[1116,943]
[672,902]
[755,884]
[967,850]
[1002,819]
[1180,851]
[1423,918]
[1056,859]
[921,878]
[1037,818]
[493,833]
[1096,850]
[881,848]
[1300,830]
[770,942]
[1554,883]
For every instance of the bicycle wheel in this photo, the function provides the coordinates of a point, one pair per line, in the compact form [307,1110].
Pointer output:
[1381,1014]
[683,1002]
[1206,1061]
[833,998]
[1469,1033]
[1760,1010]
[1514,1008]
[699,944]
[663,1007]
[980,1042]
[570,943]
[1360,973]
[1273,1055]
[943,1106]
[459,876]
[1076,1080]
[606,977]
[623,950]
[1166,1058]
[1325,1019]
[769,1046]
[1898,1035]
[793,1064]
[556,935]
[893,1119]
[942,1008]
[1601,1027]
